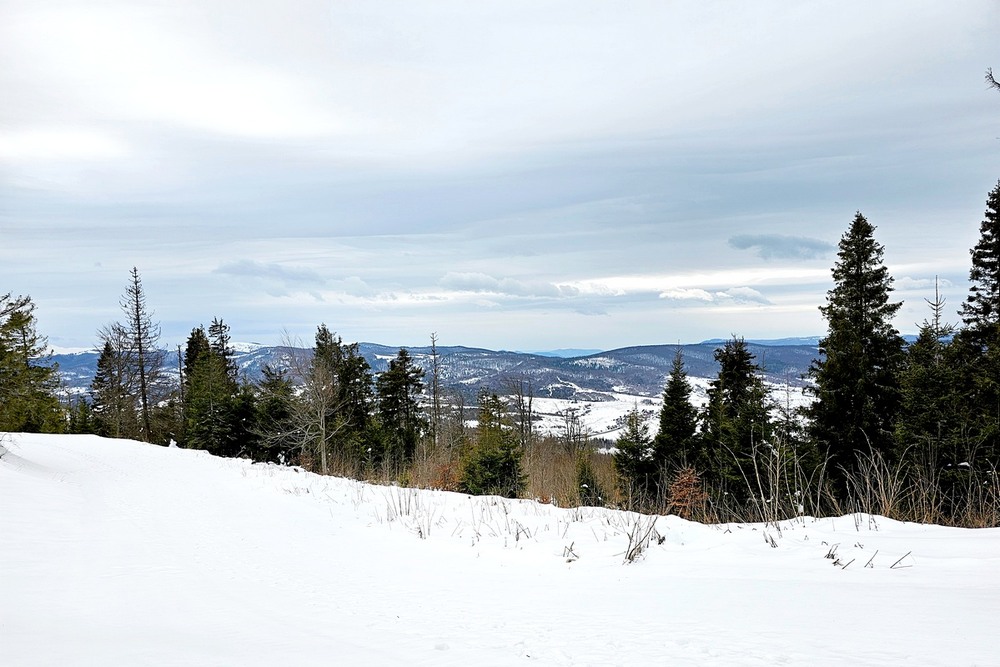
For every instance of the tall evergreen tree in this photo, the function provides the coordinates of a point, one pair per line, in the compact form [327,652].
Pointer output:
[353,396]
[856,377]
[633,461]
[218,411]
[674,445]
[112,390]
[28,378]
[981,310]
[978,343]
[398,390]
[274,422]
[494,466]
[737,421]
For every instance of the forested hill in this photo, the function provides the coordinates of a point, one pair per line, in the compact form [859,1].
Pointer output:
[639,370]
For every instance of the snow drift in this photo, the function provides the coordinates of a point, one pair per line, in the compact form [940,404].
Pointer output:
[119,553]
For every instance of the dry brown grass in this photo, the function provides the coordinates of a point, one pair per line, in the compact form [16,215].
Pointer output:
[552,467]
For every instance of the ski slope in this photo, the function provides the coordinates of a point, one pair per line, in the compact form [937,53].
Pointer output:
[119,553]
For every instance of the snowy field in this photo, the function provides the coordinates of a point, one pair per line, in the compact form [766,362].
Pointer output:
[119,553]
[605,418]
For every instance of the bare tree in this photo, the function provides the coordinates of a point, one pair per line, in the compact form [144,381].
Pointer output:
[575,434]
[435,390]
[113,389]
[314,420]
[990,80]
[143,338]
[522,395]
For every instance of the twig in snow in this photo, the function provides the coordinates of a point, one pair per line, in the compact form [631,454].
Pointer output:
[893,566]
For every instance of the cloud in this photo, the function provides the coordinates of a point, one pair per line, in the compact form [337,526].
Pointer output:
[745,295]
[907,283]
[779,246]
[733,294]
[248,268]
[481,282]
[682,294]
[59,144]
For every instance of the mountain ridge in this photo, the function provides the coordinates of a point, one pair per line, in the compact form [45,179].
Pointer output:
[639,370]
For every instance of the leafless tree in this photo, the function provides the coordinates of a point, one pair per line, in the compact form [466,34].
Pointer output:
[522,395]
[990,80]
[115,386]
[143,339]
[315,420]
[435,390]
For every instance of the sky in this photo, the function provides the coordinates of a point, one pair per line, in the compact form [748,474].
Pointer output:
[512,175]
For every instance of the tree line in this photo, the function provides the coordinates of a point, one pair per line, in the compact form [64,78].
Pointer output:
[895,429]
[911,431]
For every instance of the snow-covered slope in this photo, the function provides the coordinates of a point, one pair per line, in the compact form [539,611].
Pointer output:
[118,553]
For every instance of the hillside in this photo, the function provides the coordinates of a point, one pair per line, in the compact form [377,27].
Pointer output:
[636,371]
[119,553]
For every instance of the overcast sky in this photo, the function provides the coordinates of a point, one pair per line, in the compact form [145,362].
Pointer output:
[517,175]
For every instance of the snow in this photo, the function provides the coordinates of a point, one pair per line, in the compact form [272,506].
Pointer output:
[119,553]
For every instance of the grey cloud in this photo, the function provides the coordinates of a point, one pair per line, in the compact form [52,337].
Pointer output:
[745,295]
[481,282]
[907,283]
[779,246]
[253,269]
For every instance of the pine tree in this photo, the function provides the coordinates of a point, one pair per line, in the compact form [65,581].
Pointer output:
[978,343]
[736,421]
[112,390]
[398,390]
[981,310]
[928,386]
[274,420]
[856,377]
[674,445]
[352,401]
[589,491]
[217,412]
[28,378]
[633,461]
[495,464]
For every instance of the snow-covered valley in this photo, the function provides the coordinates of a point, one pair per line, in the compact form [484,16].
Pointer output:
[120,553]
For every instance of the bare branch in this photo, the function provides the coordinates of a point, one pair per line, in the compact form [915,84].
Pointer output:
[992,82]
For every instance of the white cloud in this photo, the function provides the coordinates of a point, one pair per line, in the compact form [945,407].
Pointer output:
[746,295]
[906,283]
[683,294]
[481,282]
[59,144]
[141,64]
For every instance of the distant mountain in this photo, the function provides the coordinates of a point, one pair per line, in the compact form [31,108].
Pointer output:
[772,342]
[564,353]
[640,370]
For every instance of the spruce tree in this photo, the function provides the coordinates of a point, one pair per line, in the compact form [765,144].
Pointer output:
[857,375]
[981,310]
[274,419]
[979,340]
[28,378]
[352,400]
[215,419]
[736,421]
[633,462]
[112,389]
[674,446]
[494,466]
[398,390]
